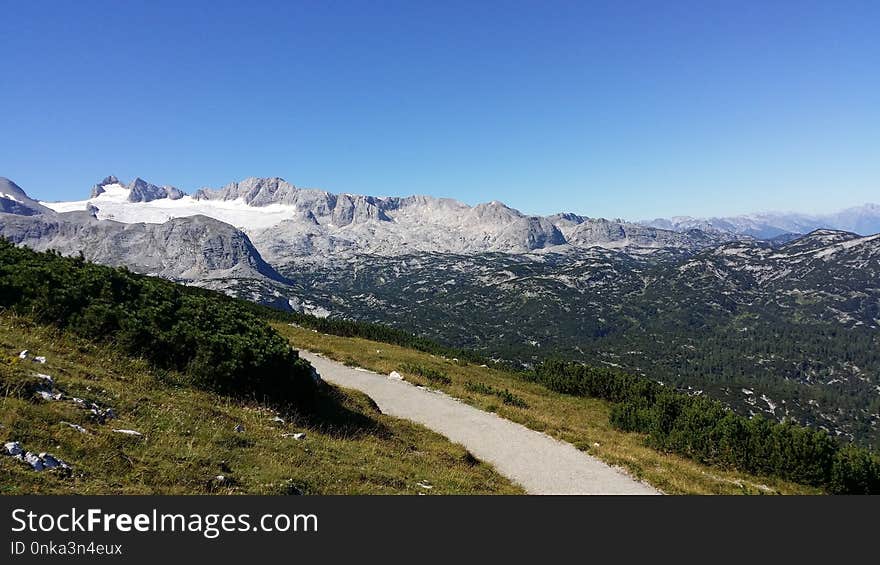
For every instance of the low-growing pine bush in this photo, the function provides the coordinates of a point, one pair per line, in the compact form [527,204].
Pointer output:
[705,430]
[212,340]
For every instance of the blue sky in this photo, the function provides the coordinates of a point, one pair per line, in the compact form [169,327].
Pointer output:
[618,109]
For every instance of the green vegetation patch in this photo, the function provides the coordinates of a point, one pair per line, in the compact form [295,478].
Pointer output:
[433,375]
[707,431]
[505,395]
[214,342]
[196,441]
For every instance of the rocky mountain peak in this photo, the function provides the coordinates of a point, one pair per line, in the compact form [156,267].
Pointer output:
[255,191]
[99,189]
[142,191]
[492,212]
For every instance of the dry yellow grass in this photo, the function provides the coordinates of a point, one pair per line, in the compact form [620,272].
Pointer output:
[189,435]
[583,422]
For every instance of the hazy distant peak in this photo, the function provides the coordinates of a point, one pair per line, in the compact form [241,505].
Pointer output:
[863,219]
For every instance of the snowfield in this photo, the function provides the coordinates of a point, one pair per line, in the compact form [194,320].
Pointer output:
[113,204]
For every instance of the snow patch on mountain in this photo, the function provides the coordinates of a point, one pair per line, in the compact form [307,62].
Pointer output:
[291,224]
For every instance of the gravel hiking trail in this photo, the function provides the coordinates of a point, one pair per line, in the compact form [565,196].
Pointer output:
[536,461]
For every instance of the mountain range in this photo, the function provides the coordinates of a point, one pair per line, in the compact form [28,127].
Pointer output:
[776,314]
[863,220]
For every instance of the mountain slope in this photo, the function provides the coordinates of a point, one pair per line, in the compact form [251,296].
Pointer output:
[189,443]
[195,248]
[796,324]
[14,200]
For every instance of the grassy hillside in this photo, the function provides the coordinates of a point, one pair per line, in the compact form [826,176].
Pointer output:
[214,400]
[216,342]
[189,435]
[584,422]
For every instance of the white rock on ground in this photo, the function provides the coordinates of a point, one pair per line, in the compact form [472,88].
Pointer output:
[47,379]
[37,462]
[12,448]
[76,427]
[100,414]
[33,460]
[395,376]
[129,432]
[51,462]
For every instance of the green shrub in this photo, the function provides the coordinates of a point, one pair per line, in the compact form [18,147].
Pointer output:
[705,430]
[433,375]
[855,471]
[217,343]
[505,395]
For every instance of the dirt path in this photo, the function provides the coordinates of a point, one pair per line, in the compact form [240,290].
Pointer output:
[539,463]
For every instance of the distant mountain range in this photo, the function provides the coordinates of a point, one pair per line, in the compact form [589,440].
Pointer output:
[776,314]
[864,220]
[288,223]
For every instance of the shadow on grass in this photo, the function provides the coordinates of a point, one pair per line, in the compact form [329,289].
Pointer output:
[324,408]
[338,414]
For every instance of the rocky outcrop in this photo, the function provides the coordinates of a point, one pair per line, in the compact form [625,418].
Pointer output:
[186,249]
[99,189]
[599,231]
[254,191]
[142,191]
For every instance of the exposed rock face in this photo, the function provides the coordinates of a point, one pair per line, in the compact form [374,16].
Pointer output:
[342,224]
[530,232]
[14,200]
[585,232]
[356,209]
[142,191]
[253,191]
[139,190]
[294,225]
[185,249]
[99,189]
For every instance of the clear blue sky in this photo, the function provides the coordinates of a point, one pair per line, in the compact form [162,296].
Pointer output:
[620,109]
